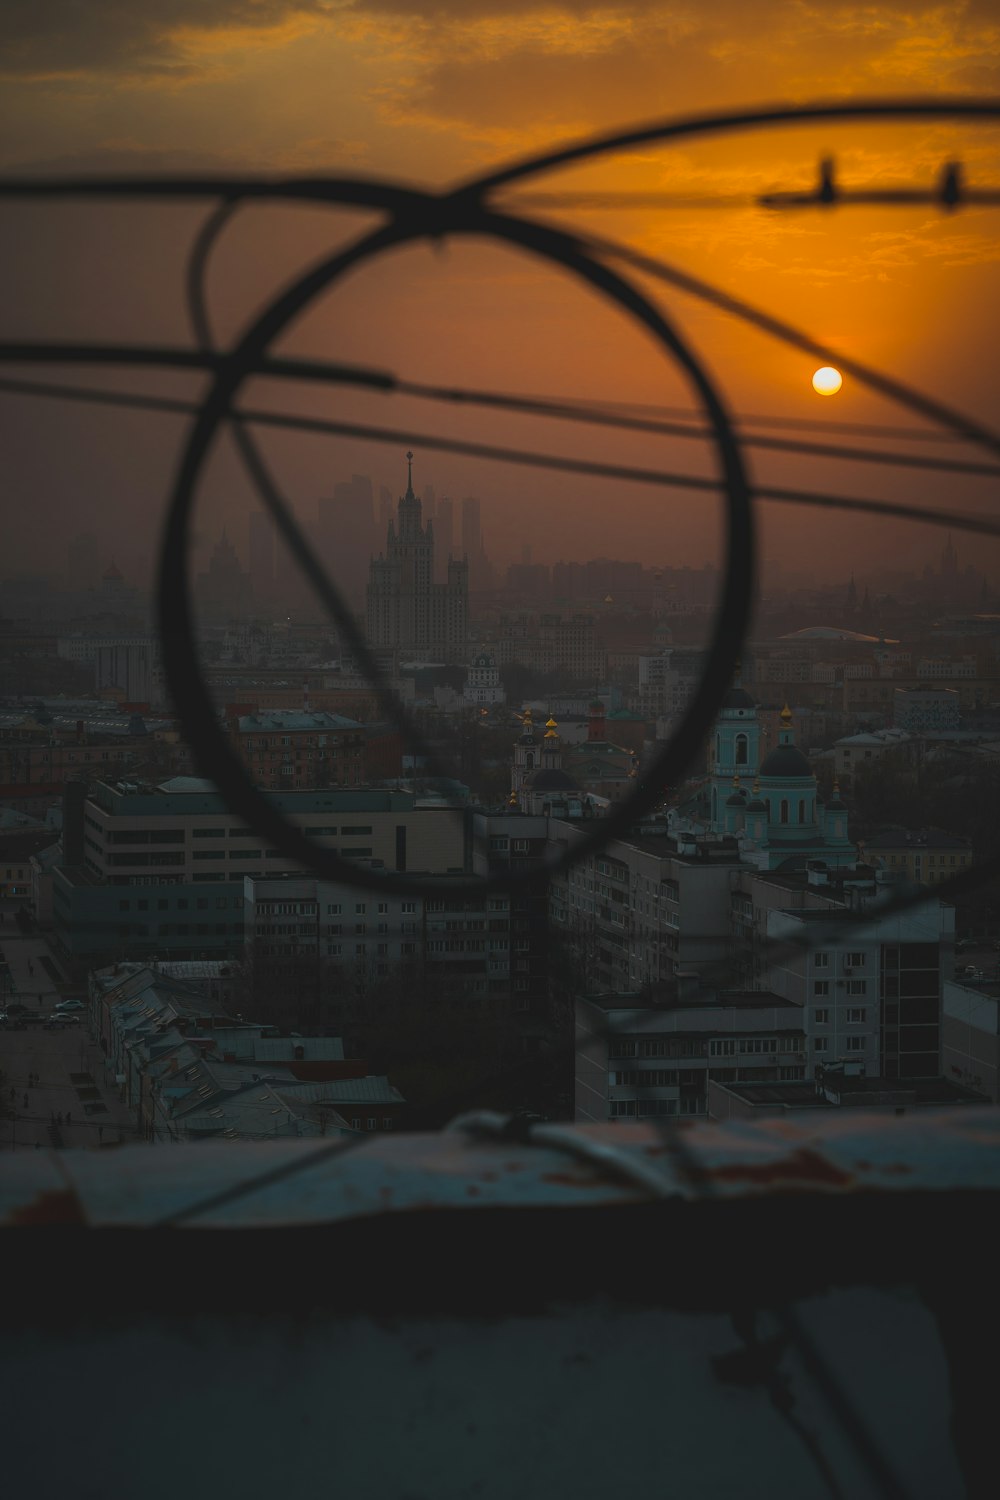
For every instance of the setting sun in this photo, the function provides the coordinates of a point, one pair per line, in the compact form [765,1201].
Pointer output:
[827,381]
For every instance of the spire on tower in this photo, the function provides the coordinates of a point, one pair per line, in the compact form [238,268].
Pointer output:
[409,477]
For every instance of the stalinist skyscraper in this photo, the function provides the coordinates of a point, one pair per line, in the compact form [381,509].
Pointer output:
[407,610]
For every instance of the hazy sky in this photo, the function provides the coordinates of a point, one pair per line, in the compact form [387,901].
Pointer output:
[429,93]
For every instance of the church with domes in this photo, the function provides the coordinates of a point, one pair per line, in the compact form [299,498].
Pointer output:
[771,806]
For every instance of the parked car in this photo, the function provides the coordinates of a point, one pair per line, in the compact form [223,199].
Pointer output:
[17,1009]
[59,1019]
[68,1005]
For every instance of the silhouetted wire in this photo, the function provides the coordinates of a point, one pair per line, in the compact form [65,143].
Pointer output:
[761,419]
[604,417]
[215,755]
[180,657]
[600,199]
[896,510]
[552,406]
[884,385]
[262,479]
[436,217]
[714,123]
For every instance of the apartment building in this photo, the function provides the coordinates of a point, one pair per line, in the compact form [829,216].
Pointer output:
[163,867]
[291,751]
[641,1061]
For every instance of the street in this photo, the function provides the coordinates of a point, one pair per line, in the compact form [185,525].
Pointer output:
[70,1067]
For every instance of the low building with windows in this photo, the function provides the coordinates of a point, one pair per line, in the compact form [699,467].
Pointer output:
[295,751]
[161,868]
[483,687]
[923,710]
[923,856]
[641,1061]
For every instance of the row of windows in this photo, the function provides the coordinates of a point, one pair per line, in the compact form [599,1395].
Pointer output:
[855,1016]
[181,929]
[675,1047]
[853,1044]
[753,1044]
[639,1108]
[652,1078]
[202,903]
[854,986]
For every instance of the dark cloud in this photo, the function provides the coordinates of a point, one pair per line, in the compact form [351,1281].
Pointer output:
[64,38]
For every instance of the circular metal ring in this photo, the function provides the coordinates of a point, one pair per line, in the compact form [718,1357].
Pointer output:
[435,218]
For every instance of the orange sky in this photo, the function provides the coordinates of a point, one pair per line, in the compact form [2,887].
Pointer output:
[430,93]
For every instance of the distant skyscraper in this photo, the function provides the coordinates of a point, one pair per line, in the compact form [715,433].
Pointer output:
[344,536]
[261,551]
[223,591]
[384,513]
[407,610]
[444,534]
[480,573]
[472,534]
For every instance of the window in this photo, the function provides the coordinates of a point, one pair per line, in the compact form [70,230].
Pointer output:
[821,986]
[372,1122]
[784,810]
[821,960]
[822,1017]
[855,1044]
[855,960]
[333,911]
[856,987]
[360,909]
[741,749]
[387,1122]
[855,1016]
[820,1044]
[722,1049]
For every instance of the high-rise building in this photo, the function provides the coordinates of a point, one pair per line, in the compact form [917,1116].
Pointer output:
[384,510]
[444,534]
[472,529]
[344,535]
[407,610]
[223,591]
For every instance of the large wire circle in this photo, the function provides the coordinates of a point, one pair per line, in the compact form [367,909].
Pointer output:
[436,217]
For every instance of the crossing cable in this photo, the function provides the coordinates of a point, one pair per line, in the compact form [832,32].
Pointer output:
[416,215]
[379,381]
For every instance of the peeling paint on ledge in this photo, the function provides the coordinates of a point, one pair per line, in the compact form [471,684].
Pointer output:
[296,1183]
